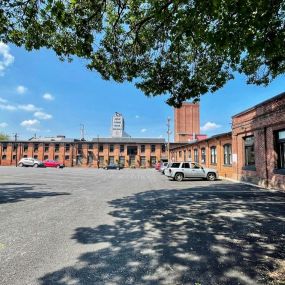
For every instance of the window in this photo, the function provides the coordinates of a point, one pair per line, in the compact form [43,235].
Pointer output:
[184,154]
[25,156]
[203,155]
[14,157]
[56,148]
[142,148]
[122,148]
[143,161]
[111,160]
[152,147]
[45,157]
[189,154]
[101,160]
[25,147]
[180,153]
[56,157]
[122,160]
[228,154]
[213,155]
[101,148]
[196,156]
[4,147]
[280,149]
[46,147]
[111,148]
[163,148]
[15,146]
[4,157]
[35,156]
[90,146]
[195,166]
[175,165]
[185,165]
[249,156]
[152,161]
[36,147]
[66,157]
[67,147]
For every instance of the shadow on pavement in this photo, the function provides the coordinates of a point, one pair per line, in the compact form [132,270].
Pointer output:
[218,234]
[17,192]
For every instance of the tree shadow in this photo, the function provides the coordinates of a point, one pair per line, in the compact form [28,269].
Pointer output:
[17,192]
[218,234]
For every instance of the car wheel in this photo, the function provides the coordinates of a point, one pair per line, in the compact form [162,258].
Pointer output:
[178,177]
[211,176]
[35,165]
[21,164]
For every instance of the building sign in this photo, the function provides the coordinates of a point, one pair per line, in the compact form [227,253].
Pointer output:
[117,125]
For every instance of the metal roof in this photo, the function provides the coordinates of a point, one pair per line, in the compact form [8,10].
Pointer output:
[129,140]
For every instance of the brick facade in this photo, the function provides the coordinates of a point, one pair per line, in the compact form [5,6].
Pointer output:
[83,154]
[200,152]
[262,121]
[186,122]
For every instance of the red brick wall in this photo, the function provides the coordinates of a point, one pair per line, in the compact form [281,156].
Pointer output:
[262,121]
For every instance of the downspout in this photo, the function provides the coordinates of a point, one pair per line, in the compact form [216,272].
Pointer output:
[265,150]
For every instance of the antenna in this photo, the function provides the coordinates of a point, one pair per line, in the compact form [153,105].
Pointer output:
[168,138]
[82,131]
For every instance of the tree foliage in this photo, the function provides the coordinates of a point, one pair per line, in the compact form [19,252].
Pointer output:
[183,48]
[3,137]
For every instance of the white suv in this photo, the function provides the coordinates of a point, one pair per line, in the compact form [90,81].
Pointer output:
[29,161]
[181,170]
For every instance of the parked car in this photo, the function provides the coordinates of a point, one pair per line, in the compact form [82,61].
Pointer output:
[181,170]
[114,166]
[163,166]
[53,163]
[29,161]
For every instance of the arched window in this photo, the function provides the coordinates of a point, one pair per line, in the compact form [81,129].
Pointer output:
[203,155]
[213,155]
[228,154]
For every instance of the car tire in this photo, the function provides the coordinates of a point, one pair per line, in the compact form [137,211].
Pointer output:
[211,176]
[36,165]
[178,177]
[21,164]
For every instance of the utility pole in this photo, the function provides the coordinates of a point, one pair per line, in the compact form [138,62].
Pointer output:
[168,139]
[98,151]
[16,145]
[82,131]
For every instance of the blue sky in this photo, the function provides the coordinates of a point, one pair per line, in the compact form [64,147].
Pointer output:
[43,95]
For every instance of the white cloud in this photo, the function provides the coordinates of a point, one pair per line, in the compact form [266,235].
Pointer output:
[209,126]
[143,130]
[6,58]
[137,116]
[3,125]
[48,97]
[21,89]
[42,115]
[29,108]
[3,100]
[32,129]
[8,107]
[30,123]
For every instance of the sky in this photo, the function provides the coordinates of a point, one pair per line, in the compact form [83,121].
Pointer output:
[39,94]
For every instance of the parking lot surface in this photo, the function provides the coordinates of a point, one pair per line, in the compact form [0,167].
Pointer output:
[88,226]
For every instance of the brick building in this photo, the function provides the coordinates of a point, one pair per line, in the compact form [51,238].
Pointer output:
[130,152]
[187,122]
[253,152]
[214,152]
[259,143]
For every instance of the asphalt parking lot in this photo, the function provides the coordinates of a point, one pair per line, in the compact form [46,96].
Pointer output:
[87,226]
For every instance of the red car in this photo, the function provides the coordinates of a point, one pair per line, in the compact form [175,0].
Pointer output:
[157,166]
[53,163]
